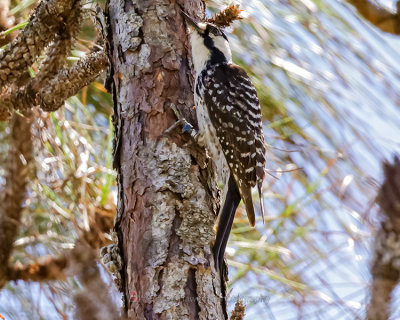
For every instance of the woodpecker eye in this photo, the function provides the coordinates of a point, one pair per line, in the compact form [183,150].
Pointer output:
[217,31]
[214,30]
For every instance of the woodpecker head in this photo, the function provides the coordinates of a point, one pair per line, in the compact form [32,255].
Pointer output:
[210,45]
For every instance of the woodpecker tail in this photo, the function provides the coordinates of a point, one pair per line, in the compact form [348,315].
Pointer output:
[259,187]
[227,215]
[248,203]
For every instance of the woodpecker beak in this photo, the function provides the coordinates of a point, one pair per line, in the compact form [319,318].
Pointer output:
[193,24]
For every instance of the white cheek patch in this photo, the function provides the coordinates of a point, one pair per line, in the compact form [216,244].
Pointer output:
[202,25]
[200,52]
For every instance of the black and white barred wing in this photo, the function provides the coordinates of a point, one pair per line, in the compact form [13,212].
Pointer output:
[235,113]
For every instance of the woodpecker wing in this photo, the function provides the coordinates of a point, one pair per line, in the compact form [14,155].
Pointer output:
[235,113]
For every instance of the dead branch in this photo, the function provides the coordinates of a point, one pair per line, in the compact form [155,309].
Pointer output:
[19,157]
[46,270]
[59,49]
[94,301]
[379,17]
[53,84]
[386,264]
[70,262]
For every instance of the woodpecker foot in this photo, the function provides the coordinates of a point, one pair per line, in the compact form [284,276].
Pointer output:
[196,142]
[197,137]
[185,127]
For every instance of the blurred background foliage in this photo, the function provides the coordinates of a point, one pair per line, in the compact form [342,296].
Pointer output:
[329,85]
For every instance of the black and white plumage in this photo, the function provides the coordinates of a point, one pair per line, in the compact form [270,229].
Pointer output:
[229,117]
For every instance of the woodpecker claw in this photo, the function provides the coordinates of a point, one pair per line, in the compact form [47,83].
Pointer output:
[198,142]
[187,128]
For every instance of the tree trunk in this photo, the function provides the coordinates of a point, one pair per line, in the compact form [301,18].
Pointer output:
[166,206]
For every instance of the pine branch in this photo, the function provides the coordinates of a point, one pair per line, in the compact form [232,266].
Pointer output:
[43,25]
[386,264]
[381,18]
[66,83]
[13,196]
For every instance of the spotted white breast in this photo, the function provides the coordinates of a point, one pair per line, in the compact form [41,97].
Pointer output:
[208,134]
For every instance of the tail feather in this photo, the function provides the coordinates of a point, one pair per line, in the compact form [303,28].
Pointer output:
[259,186]
[227,215]
[248,203]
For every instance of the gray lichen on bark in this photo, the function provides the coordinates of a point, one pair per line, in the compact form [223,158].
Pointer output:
[128,28]
[179,235]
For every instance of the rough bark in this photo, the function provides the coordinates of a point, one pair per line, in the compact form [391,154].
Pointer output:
[166,208]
